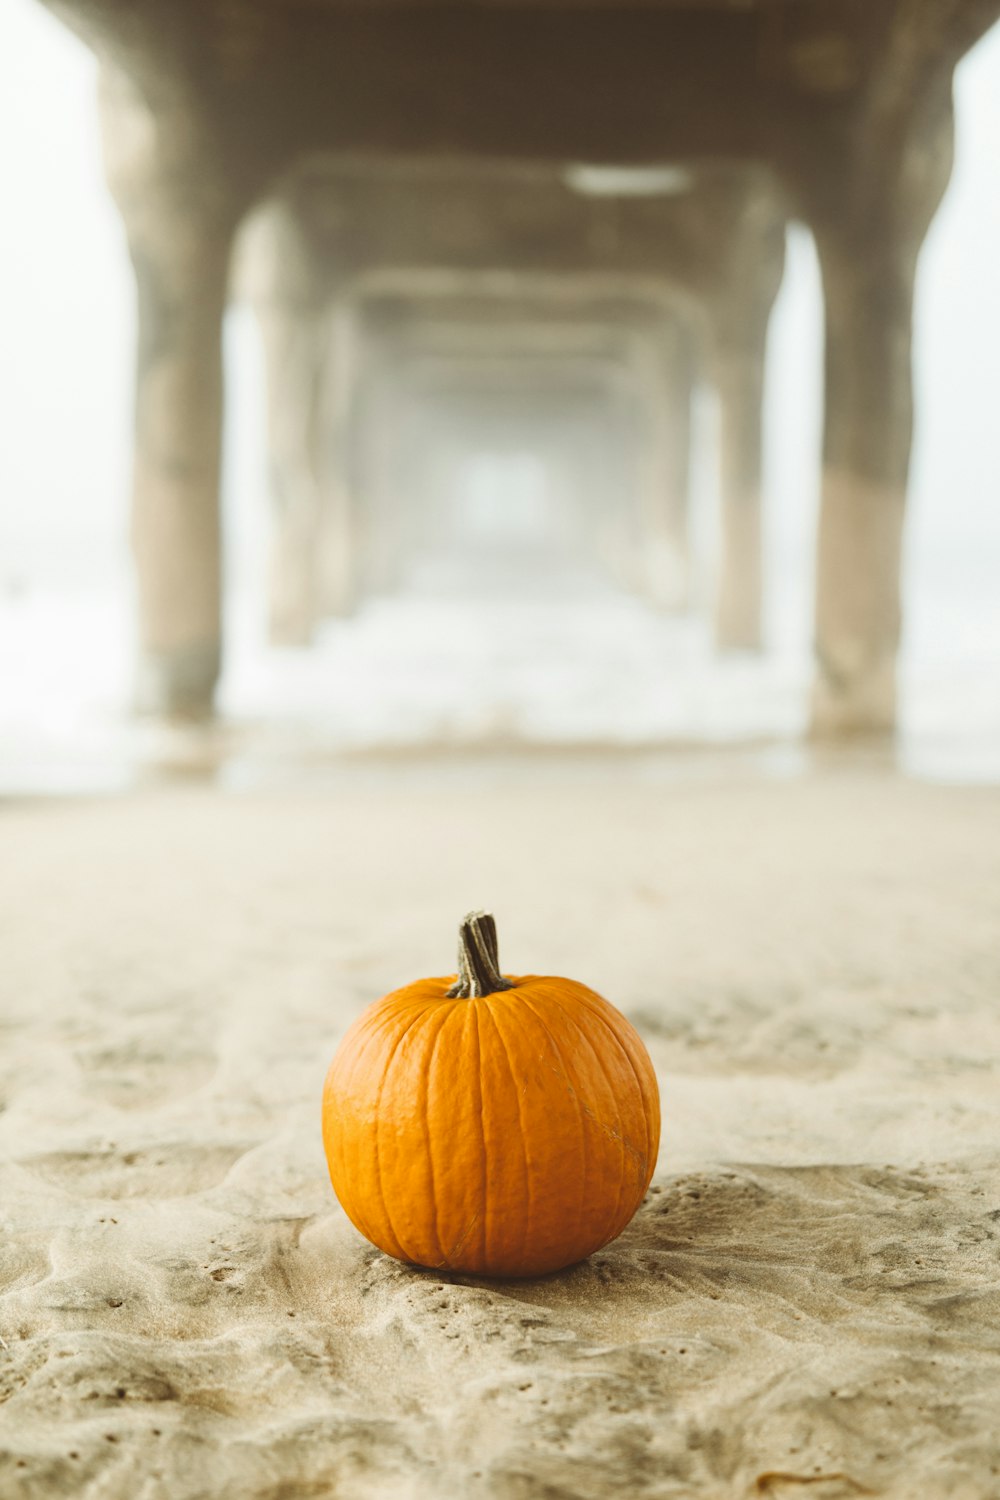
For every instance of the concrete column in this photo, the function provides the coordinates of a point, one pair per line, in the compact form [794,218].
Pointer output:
[294,349]
[176,532]
[625,477]
[338,562]
[290,277]
[667,542]
[866,453]
[739,381]
[677,434]
[373,459]
[179,221]
[868,263]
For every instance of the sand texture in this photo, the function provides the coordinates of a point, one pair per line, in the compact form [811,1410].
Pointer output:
[808,1302]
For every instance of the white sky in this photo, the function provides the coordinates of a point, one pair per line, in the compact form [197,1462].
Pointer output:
[66,327]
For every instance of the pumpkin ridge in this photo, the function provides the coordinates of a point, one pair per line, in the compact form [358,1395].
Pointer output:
[587,1113]
[640,1155]
[595,1011]
[423,1112]
[379,1023]
[619,1134]
[573,1092]
[485,1197]
[451,1012]
[378,1103]
[626,1145]
[526,1225]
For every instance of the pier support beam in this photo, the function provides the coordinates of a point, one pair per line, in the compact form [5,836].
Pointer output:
[868,242]
[179,219]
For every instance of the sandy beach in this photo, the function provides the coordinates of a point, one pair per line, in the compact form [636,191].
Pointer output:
[807,1302]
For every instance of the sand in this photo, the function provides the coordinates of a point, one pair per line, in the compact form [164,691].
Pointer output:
[808,1302]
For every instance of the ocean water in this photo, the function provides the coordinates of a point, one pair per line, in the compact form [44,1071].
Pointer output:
[473,655]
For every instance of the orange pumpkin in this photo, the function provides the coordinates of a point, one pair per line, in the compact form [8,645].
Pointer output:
[503,1127]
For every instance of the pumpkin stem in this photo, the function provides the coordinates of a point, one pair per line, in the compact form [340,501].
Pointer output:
[478,958]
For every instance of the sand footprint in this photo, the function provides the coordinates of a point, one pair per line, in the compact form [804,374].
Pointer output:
[143,1074]
[168,1170]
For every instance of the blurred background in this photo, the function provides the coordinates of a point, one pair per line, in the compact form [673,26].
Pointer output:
[475,494]
[531,454]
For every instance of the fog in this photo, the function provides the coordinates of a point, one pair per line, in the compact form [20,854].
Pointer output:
[570,656]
